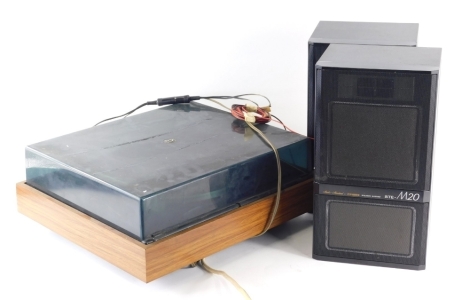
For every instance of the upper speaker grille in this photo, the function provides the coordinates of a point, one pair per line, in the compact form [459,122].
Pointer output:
[374,128]
[377,87]
[372,141]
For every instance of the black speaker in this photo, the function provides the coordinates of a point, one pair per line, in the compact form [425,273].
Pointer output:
[363,33]
[375,109]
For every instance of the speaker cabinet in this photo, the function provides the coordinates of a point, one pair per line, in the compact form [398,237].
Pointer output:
[375,108]
[363,33]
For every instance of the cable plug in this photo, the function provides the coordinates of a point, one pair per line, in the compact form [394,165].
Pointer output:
[266,108]
[251,107]
[249,117]
[175,100]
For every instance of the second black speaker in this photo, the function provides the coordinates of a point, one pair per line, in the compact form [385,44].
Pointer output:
[374,130]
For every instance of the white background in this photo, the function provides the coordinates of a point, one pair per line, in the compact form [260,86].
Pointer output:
[66,65]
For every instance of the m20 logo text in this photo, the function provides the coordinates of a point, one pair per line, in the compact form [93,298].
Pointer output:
[408,196]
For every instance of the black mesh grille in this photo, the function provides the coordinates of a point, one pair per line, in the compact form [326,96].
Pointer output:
[370,230]
[355,86]
[373,228]
[371,141]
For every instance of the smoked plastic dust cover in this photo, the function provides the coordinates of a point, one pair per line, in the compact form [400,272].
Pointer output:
[156,173]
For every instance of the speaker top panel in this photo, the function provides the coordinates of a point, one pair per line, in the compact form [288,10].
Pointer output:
[365,33]
[381,58]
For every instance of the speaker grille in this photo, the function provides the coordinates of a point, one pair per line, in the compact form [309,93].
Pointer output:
[353,86]
[370,228]
[374,142]
[372,128]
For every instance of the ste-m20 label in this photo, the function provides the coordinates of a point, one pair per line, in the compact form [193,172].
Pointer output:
[374,193]
[409,196]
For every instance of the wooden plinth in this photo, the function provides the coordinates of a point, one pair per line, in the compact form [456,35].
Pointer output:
[149,262]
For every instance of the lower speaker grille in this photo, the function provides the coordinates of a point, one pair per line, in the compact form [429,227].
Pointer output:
[370,230]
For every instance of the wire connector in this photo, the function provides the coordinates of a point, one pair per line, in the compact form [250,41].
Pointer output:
[266,108]
[251,107]
[249,117]
[175,100]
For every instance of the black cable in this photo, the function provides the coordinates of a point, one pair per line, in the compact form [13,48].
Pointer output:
[159,102]
[285,128]
[262,96]
[123,115]
[240,97]
[187,99]
[229,97]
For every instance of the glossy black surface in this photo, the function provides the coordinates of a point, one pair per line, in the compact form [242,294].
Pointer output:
[365,33]
[155,173]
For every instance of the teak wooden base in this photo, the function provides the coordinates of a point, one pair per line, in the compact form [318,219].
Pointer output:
[149,262]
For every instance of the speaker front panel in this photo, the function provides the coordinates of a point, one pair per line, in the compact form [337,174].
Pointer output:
[370,231]
[372,128]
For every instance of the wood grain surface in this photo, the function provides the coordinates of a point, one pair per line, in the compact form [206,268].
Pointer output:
[149,262]
[87,232]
